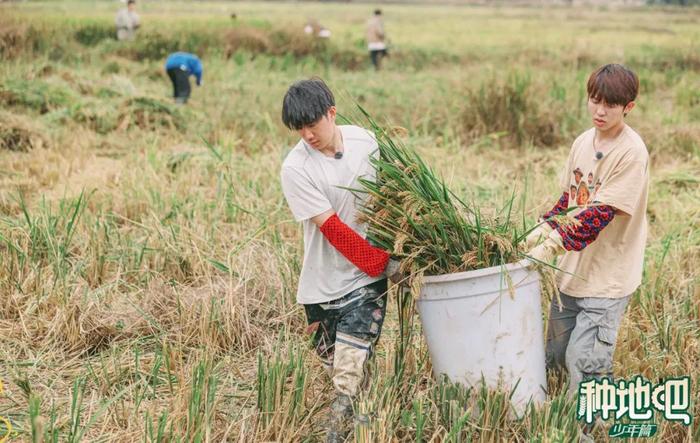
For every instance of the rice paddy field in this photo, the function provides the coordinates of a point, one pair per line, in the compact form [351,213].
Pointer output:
[149,263]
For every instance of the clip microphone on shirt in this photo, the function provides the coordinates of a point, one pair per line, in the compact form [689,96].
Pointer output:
[338,155]
[598,155]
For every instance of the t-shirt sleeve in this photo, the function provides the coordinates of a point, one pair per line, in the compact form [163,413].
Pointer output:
[565,173]
[305,200]
[623,188]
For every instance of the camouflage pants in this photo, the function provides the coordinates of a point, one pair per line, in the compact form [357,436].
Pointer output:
[581,336]
[346,331]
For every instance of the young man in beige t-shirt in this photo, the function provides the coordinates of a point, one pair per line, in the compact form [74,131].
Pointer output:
[606,178]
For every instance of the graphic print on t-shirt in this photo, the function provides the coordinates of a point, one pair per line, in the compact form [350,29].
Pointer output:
[582,190]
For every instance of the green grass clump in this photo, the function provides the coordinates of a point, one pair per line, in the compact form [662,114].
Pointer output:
[95,115]
[38,95]
[156,45]
[518,109]
[93,33]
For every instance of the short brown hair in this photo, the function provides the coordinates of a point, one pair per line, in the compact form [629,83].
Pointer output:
[614,84]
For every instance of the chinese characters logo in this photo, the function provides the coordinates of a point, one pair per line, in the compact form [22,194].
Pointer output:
[636,400]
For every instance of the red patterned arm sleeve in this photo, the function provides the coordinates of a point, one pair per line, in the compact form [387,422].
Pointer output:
[370,259]
[558,208]
[592,220]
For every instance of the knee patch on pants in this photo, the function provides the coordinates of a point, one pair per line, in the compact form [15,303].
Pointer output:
[351,354]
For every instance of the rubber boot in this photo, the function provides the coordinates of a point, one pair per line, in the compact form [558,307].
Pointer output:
[339,419]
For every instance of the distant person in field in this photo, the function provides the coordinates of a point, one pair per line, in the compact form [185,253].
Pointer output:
[343,282]
[602,256]
[376,39]
[316,29]
[180,66]
[127,21]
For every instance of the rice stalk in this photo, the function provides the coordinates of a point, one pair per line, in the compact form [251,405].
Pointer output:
[411,212]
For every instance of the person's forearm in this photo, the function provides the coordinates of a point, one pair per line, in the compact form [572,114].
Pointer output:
[591,222]
[370,259]
[561,206]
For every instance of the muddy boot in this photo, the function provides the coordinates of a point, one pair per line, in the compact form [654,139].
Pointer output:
[339,418]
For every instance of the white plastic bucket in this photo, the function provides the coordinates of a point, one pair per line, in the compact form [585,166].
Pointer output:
[475,326]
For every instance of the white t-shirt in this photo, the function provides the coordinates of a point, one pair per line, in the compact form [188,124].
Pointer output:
[376,46]
[312,184]
[127,22]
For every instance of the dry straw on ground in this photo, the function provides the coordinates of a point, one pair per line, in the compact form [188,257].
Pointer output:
[18,133]
[161,305]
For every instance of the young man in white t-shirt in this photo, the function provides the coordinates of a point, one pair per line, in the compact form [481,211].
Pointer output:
[343,277]
[606,177]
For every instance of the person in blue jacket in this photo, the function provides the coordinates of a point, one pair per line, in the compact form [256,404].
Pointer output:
[179,66]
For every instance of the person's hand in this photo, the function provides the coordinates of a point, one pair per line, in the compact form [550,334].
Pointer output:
[547,250]
[393,271]
[537,235]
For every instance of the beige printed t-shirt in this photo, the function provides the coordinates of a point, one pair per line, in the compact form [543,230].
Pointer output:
[612,265]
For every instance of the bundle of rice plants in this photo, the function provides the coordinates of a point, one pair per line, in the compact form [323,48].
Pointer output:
[249,39]
[150,113]
[411,213]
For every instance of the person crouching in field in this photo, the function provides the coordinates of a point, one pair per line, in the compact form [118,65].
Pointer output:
[607,177]
[343,281]
[179,66]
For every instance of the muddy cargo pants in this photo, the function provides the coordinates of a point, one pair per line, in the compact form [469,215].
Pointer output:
[346,331]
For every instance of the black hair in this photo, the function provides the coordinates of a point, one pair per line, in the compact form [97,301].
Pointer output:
[305,102]
[377,12]
[131,2]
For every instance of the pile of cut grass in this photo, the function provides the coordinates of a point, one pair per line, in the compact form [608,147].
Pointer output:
[150,114]
[37,95]
[18,133]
